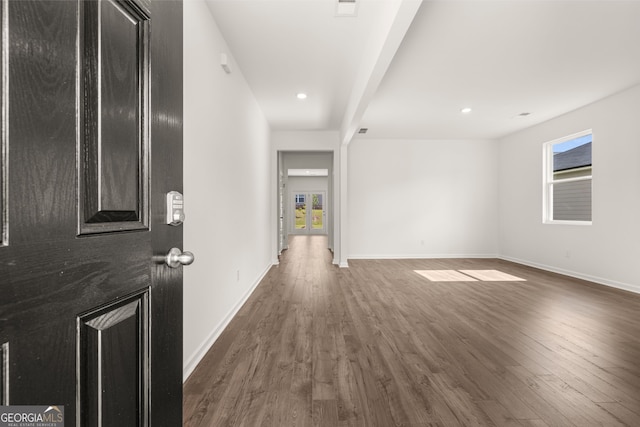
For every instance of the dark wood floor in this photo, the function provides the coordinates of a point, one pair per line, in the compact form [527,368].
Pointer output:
[378,345]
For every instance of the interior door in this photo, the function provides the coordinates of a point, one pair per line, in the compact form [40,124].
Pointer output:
[90,312]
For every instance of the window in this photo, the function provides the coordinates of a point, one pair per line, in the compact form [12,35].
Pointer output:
[567,179]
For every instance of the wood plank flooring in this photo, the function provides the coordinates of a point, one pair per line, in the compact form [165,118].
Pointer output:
[379,345]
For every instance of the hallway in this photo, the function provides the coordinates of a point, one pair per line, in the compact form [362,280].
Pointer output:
[379,345]
[259,371]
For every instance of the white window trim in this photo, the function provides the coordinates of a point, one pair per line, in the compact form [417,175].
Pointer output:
[548,181]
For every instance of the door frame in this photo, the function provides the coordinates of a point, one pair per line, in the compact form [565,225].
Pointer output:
[284,146]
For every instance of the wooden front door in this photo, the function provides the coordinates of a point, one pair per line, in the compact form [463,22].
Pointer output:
[90,313]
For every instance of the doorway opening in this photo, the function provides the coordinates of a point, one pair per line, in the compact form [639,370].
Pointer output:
[305,195]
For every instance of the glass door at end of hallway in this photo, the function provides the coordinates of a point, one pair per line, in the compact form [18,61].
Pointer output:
[310,215]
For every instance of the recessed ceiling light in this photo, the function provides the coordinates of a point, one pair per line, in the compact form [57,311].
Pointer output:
[466,110]
[301,95]
[346,8]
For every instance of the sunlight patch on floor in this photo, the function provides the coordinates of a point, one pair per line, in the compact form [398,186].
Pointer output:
[468,276]
[445,276]
[492,276]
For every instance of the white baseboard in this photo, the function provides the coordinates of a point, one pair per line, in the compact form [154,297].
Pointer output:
[599,280]
[202,350]
[422,256]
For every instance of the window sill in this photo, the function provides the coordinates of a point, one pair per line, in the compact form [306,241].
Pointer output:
[558,222]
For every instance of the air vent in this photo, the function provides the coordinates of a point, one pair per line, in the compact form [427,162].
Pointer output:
[363,130]
[346,8]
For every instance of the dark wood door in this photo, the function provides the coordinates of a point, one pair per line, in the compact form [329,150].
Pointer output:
[90,315]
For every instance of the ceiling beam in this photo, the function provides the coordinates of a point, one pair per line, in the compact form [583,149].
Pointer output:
[395,20]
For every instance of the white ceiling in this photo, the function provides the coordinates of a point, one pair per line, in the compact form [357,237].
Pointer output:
[499,57]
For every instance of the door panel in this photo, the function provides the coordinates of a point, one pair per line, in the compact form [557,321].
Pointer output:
[115,147]
[114,373]
[93,142]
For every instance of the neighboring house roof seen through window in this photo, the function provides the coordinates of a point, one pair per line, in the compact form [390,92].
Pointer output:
[577,157]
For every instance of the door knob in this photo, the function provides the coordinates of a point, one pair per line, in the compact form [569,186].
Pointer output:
[175,258]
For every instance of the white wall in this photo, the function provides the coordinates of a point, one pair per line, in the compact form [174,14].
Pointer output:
[229,224]
[422,199]
[299,184]
[608,250]
[305,141]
